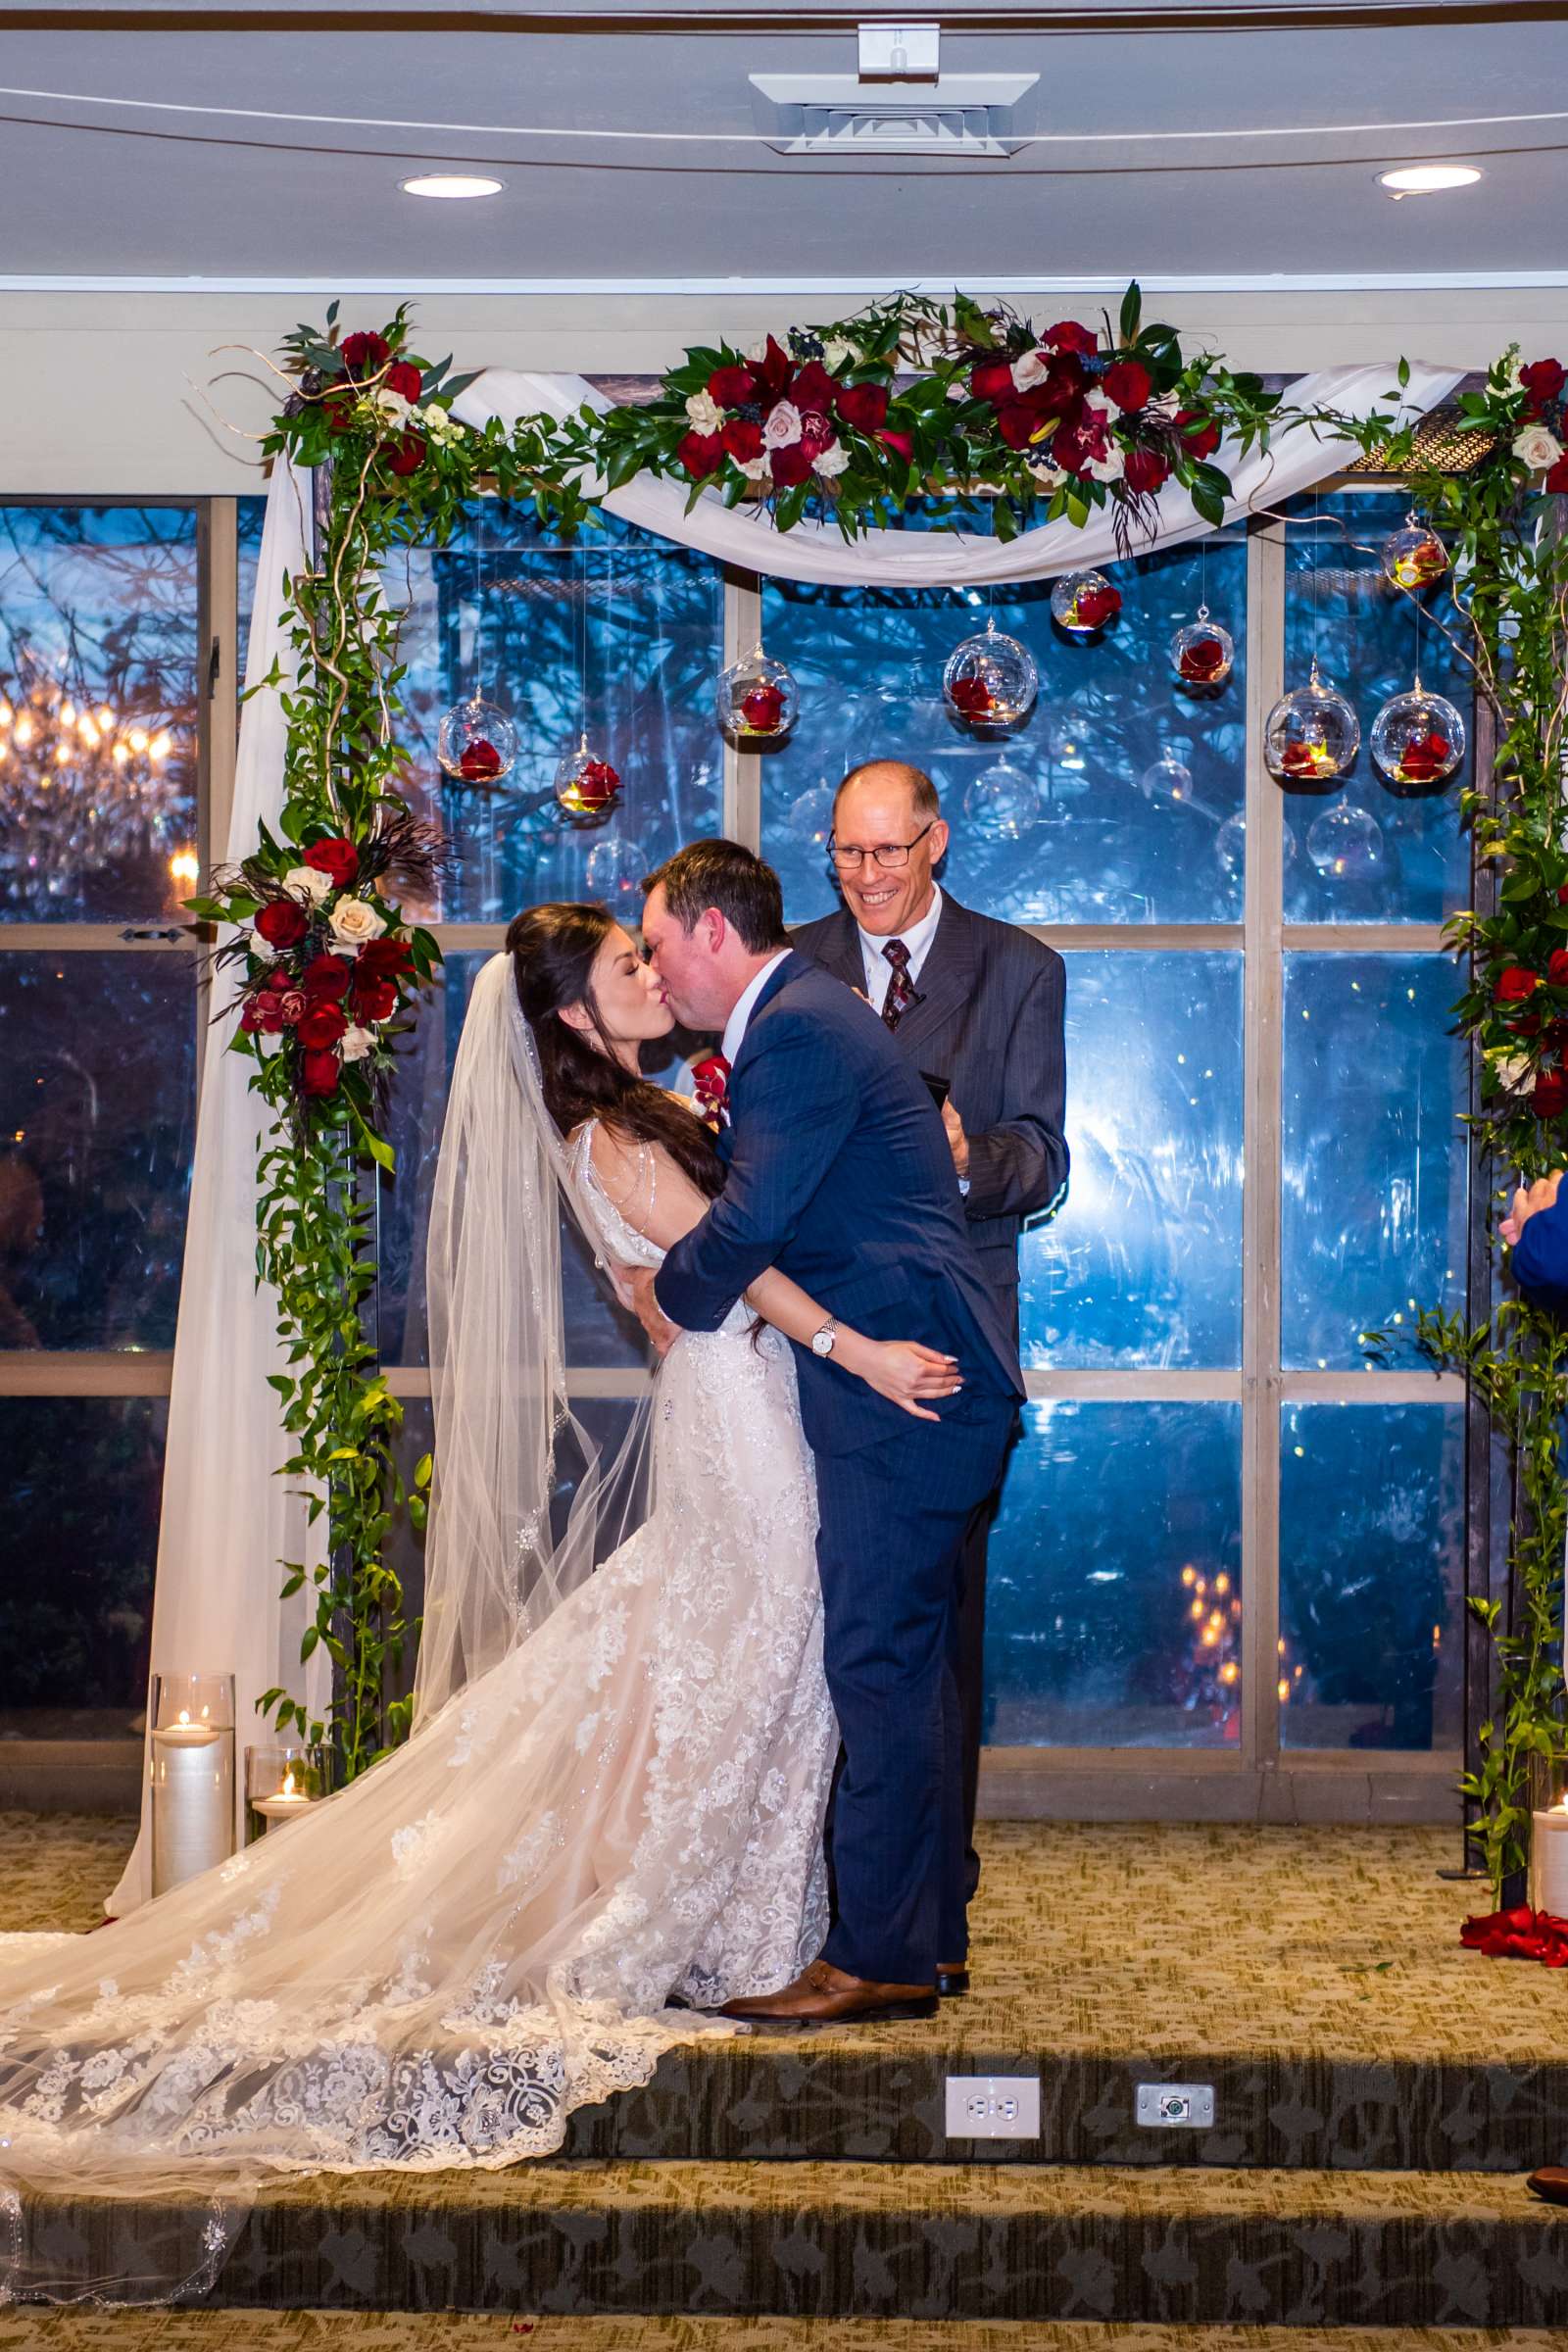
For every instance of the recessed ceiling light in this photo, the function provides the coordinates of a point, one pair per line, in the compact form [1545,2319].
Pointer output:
[449,184]
[1425,179]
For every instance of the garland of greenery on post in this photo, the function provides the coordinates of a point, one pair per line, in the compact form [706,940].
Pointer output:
[911,398]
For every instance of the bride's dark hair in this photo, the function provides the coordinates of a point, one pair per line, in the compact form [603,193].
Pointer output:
[553,950]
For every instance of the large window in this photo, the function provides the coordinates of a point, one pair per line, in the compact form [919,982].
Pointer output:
[1222,1537]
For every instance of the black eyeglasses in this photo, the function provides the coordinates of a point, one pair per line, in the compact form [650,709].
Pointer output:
[889,854]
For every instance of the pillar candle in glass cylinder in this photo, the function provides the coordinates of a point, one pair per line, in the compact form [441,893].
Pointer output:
[191,1766]
[1549,1860]
[281,1783]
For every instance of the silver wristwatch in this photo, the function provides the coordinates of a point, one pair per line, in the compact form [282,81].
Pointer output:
[822,1341]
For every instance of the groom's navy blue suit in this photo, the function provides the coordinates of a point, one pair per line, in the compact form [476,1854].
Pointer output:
[841,1175]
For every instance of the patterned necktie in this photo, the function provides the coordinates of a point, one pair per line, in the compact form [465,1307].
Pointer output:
[900,988]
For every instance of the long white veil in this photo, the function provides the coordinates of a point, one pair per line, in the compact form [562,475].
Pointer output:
[522,1504]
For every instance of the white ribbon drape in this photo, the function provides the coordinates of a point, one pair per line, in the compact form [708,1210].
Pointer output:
[227,1518]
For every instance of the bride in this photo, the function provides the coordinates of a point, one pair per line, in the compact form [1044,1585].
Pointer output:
[614,1798]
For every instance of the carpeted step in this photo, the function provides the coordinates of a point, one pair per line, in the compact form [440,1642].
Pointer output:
[490,2331]
[1204,2247]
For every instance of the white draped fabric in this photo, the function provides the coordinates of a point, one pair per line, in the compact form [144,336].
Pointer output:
[227,1518]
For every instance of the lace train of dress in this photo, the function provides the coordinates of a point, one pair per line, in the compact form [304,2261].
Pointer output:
[438,1965]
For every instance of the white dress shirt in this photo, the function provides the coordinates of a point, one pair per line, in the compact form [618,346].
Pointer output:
[744,1005]
[917,939]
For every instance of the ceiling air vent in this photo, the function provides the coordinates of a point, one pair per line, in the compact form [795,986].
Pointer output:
[835,114]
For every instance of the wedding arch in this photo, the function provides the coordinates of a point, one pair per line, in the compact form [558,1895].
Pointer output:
[1048,449]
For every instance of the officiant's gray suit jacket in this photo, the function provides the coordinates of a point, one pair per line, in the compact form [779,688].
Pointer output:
[990,1021]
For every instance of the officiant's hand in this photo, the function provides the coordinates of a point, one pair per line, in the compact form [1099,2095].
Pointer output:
[956,1137]
[1543,1193]
[637,1283]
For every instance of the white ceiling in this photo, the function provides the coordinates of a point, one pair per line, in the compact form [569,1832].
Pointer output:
[128,194]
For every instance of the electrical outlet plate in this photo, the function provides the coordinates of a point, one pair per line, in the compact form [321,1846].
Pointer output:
[1176,2106]
[992,2107]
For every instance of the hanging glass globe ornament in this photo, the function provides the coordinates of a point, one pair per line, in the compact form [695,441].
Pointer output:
[476,742]
[990,680]
[1001,803]
[810,817]
[586,788]
[758,700]
[1083,603]
[1229,848]
[614,872]
[1166,782]
[1418,739]
[1311,736]
[1346,844]
[1414,556]
[1203,654]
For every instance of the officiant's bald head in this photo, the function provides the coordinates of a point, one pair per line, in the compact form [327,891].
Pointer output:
[887,804]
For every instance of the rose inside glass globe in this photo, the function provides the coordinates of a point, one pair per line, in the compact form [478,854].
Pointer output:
[1084,602]
[476,742]
[991,680]
[1418,739]
[1203,654]
[1311,736]
[758,700]
[586,786]
[1413,558]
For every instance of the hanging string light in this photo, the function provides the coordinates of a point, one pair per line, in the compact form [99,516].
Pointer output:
[587,787]
[84,786]
[475,742]
[1203,654]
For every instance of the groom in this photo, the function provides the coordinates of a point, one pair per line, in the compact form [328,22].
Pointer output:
[840,1174]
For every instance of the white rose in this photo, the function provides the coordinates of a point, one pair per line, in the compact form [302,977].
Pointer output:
[1538,447]
[1032,368]
[833,460]
[311,889]
[758,469]
[355,921]
[783,427]
[262,948]
[705,412]
[1513,1072]
[834,356]
[392,406]
[355,1044]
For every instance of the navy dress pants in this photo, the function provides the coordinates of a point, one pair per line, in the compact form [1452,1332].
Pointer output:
[891,1520]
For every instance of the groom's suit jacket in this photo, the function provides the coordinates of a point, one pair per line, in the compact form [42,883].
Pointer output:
[840,1174]
[990,1021]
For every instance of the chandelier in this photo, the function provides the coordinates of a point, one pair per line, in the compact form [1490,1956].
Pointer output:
[84,786]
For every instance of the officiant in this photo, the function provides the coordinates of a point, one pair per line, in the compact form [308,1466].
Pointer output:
[976,1005]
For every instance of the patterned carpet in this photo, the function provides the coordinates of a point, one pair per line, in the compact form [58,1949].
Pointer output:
[465,2331]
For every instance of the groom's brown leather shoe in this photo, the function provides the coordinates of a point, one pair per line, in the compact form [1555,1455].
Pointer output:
[1551,2183]
[824,1996]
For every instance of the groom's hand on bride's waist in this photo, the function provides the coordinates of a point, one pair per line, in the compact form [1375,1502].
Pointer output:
[636,1286]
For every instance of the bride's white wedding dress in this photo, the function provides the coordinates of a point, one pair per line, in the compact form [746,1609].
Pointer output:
[443,1961]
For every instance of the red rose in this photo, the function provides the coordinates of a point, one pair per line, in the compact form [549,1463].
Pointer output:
[742,436]
[1199,434]
[1417,767]
[970,696]
[406,378]
[1562,895]
[814,387]
[1514,985]
[792,465]
[363,355]
[1068,335]
[264,1010]
[1557,968]
[1558,478]
[372,1000]
[863,406]
[1526,1024]
[1202,659]
[385,958]
[408,455]
[902,444]
[335,857]
[1543,381]
[1549,1093]
[326,976]
[700,453]
[762,707]
[322,1025]
[319,1073]
[598,784]
[1092,608]
[732,387]
[1127,383]
[992,381]
[479,760]
[1146,469]
[282,923]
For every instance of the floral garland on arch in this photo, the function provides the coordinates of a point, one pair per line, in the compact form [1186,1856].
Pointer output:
[911,398]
